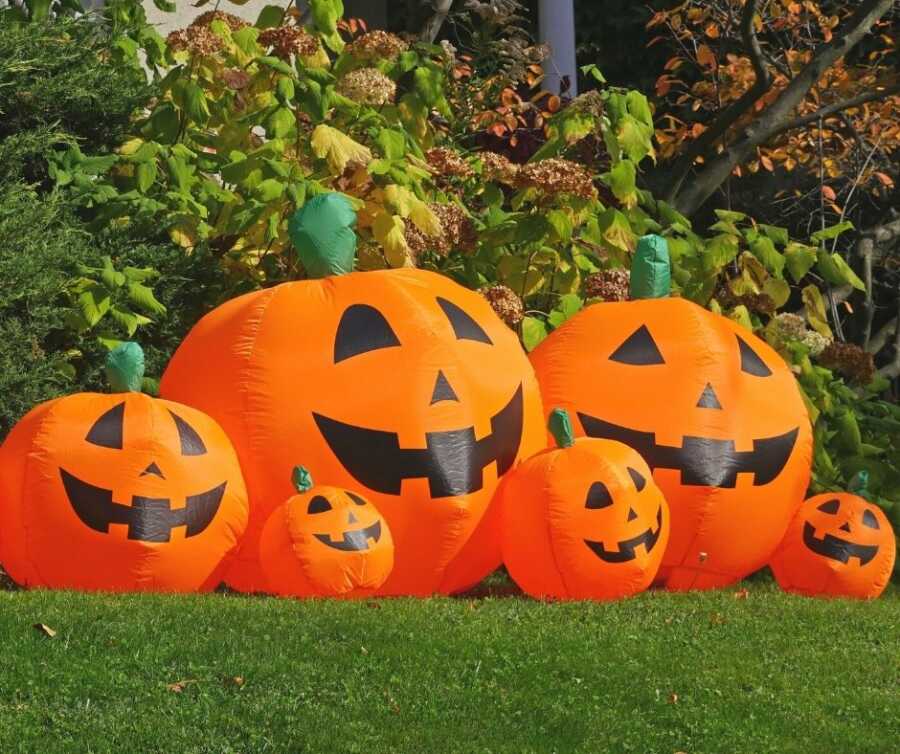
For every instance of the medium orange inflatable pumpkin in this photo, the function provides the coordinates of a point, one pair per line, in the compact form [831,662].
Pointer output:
[838,545]
[398,383]
[714,411]
[325,541]
[583,520]
[119,492]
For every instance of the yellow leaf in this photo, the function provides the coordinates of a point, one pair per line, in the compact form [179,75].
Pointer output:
[407,204]
[131,146]
[814,306]
[184,235]
[337,148]
[388,231]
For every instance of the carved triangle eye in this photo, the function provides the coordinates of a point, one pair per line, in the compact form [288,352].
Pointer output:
[637,478]
[830,507]
[598,496]
[639,349]
[751,363]
[191,444]
[870,520]
[107,431]
[362,329]
[464,327]
[319,504]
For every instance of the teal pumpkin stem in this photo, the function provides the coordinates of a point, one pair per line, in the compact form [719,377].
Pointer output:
[322,231]
[125,368]
[859,485]
[302,479]
[651,269]
[560,426]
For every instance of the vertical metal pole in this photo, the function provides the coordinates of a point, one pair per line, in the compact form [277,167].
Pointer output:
[556,27]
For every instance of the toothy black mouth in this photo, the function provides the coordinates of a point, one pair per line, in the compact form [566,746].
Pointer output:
[627,547]
[835,548]
[702,461]
[353,540]
[453,461]
[148,519]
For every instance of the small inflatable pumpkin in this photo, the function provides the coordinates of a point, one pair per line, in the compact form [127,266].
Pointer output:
[401,384]
[714,411]
[838,545]
[325,541]
[119,492]
[583,520]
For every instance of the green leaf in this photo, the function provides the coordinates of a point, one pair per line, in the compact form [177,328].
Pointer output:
[533,332]
[269,190]
[776,234]
[532,228]
[622,180]
[616,230]
[634,138]
[719,251]
[799,259]
[730,216]
[814,306]
[284,89]
[561,224]
[836,271]
[568,305]
[192,100]
[764,250]
[93,303]
[831,232]
[142,297]
[269,17]
[165,5]
[280,122]
[276,64]
[39,9]
[778,290]
[145,174]
[594,72]
[392,143]
[740,315]
[110,276]
[427,82]
[639,107]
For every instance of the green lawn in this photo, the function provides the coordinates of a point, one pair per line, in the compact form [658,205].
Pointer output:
[662,673]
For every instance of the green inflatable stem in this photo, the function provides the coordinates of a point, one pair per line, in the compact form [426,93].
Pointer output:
[322,232]
[859,485]
[302,479]
[125,368]
[651,269]
[560,426]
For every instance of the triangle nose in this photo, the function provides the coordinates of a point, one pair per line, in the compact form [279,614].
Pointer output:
[631,514]
[708,398]
[153,469]
[845,527]
[351,519]
[442,390]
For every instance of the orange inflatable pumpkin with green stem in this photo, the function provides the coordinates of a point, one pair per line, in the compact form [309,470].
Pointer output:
[400,384]
[325,541]
[714,411]
[119,491]
[583,520]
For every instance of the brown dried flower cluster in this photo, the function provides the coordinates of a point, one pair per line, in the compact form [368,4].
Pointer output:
[589,103]
[761,303]
[608,285]
[197,40]
[376,45]
[229,19]
[459,231]
[448,163]
[368,86]
[499,168]
[506,303]
[557,176]
[850,360]
[289,40]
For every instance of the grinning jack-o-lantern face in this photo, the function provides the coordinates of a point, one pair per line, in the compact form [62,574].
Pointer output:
[839,545]
[399,384]
[120,492]
[584,520]
[712,409]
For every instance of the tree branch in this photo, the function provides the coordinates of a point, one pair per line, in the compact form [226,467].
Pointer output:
[838,107]
[434,24]
[773,119]
[892,370]
[734,111]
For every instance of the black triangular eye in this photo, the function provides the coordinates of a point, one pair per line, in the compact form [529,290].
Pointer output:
[318,504]
[598,496]
[362,328]
[639,349]
[637,478]
[751,363]
[830,507]
[191,444]
[356,498]
[463,325]
[870,520]
[107,430]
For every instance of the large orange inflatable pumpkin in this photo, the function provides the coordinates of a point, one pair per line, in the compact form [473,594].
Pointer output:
[398,383]
[714,411]
[583,520]
[838,545]
[119,492]
[325,541]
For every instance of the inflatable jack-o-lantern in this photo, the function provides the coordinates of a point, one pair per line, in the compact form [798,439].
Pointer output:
[714,411]
[325,541]
[400,384]
[583,520]
[119,492]
[838,545]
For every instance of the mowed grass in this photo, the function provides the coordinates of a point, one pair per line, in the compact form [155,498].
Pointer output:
[698,673]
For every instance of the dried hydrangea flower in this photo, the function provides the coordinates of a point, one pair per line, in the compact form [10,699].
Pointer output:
[506,303]
[376,45]
[197,40]
[289,40]
[608,285]
[229,19]
[235,78]
[459,230]
[499,168]
[850,360]
[368,86]
[557,176]
[446,162]
[790,326]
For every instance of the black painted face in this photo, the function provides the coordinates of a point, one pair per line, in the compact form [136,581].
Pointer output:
[598,497]
[836,548]
[453,461]
[702,461]
[353,540]
[148,519]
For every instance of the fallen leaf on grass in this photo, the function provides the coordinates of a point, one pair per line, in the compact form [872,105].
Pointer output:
[234,681]
[45,630]
[717,619]
[673,698]
[741,594]
[180,686]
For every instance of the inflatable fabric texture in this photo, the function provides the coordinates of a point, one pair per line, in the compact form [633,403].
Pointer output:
[400,384]
[650,270]
[326,542]
[119,492]
[714,411]
[838,545]
[583,521]
[322,232]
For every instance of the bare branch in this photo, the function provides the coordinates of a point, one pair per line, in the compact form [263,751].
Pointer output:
[838,107]
[879,340]
[772,120]
[892,370]
[434,24]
